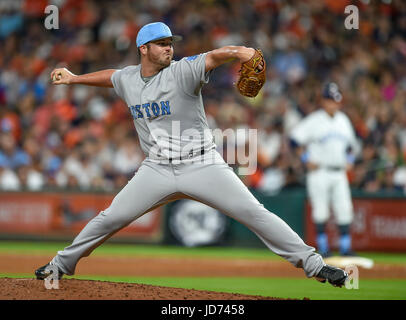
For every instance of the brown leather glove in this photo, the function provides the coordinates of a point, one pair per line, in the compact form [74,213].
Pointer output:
[252,75]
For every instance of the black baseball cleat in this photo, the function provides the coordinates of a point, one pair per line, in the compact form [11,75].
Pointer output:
[333,275]
[42,272]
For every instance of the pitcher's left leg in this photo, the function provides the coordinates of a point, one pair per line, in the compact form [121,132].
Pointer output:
[219,187]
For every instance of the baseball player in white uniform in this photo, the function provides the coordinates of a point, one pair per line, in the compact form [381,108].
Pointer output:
[164,98]
[329,141]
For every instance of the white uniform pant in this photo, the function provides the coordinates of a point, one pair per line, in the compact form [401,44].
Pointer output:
[330,189]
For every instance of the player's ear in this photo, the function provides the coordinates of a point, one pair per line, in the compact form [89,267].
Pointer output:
[143,49]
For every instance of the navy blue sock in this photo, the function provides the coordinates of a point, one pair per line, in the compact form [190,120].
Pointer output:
[345,239]
[345,243]
[322,243]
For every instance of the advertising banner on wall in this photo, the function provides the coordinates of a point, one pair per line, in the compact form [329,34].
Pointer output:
[63,215]
[379,224]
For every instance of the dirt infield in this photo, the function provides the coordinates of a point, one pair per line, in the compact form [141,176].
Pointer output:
[73,289]
[151,266]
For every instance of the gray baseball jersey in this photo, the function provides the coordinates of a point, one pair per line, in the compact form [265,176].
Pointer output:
[168,110]
[173,96]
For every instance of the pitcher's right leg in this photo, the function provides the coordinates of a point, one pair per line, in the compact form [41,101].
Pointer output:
[145,190]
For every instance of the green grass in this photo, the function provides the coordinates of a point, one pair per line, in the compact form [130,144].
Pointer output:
[368,289]
[387,258]
[50,248]
[289,288]
[141,250]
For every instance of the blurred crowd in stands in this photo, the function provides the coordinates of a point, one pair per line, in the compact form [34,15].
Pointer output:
[83,137]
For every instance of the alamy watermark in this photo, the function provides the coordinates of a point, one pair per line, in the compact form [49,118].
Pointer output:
[52,281]
[52,20]
[352,20]
[352,281]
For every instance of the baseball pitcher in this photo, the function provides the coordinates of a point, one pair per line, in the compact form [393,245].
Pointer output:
[165,101]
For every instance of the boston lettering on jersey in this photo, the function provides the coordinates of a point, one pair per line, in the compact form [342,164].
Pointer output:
[150,110]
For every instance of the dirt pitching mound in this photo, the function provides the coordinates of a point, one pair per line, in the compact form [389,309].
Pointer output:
[73,289]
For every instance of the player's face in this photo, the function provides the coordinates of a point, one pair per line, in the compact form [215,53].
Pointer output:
[331,106]
[160,52]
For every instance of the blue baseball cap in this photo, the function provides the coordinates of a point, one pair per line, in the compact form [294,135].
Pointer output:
[331,91]
[155,31]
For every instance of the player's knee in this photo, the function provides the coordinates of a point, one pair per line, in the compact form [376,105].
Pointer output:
[245,213]
[111,220]
[119,221]
[320,215]
[255,211]
[260,213]
[344,218]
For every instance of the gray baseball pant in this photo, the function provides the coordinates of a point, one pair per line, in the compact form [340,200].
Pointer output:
[211,182]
